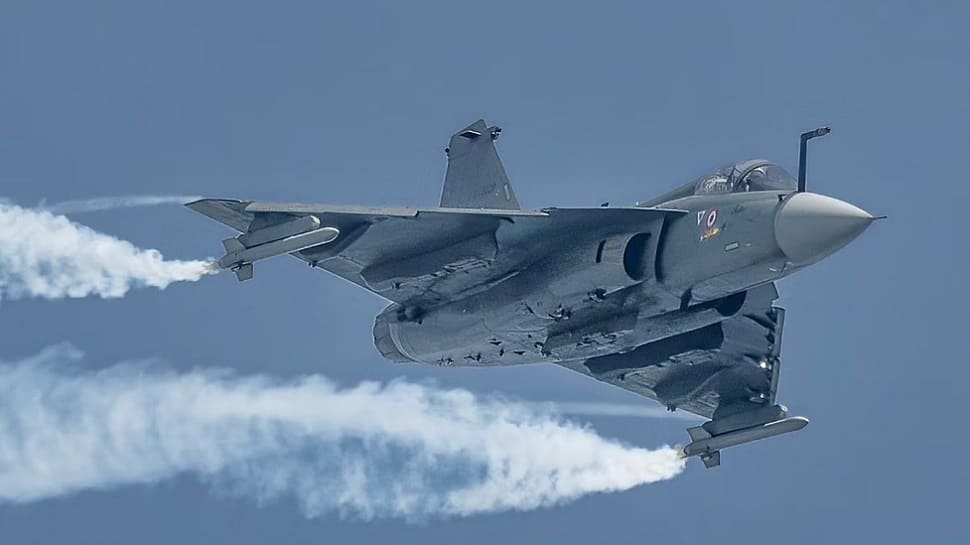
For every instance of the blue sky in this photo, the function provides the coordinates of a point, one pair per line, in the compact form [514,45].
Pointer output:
[353,104]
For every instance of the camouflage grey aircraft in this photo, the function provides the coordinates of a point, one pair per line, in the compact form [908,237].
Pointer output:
[671,299]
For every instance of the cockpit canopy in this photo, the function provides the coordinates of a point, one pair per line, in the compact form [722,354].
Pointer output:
[756,175]
[746,176]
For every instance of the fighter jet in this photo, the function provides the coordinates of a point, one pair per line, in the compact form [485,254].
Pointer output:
[671,298]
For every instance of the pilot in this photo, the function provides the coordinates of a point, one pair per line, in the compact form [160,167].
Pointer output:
[755,178]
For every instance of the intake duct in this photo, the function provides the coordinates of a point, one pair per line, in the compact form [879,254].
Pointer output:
[625,259]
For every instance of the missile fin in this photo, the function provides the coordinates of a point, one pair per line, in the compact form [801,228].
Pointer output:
[233,245]
[698,433]
[245,272]
[711,460]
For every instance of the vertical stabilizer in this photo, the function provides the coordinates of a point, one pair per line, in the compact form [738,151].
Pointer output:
[475,176]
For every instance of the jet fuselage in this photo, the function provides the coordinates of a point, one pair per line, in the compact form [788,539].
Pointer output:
[595,288]
[672,299]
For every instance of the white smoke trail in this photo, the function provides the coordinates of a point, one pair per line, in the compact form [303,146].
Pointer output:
[371,451]
[46,255]
[584,408]
[110,203]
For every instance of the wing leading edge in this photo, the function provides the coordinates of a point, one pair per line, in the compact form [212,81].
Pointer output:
[407,255]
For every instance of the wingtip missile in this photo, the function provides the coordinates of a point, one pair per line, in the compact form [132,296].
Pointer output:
[708,447]
[287,238]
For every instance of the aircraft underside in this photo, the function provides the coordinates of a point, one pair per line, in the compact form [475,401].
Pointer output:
[671,299]
[696,358]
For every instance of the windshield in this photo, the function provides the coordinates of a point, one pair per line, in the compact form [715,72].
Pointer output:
[745,176]
[766,177]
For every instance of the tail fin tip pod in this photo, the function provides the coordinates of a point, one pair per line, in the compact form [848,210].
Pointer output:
[475,177]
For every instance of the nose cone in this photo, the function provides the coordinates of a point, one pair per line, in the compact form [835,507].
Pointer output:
[809,227]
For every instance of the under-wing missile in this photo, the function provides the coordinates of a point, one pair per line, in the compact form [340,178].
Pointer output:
[708,447]
[280,239]
[279,231]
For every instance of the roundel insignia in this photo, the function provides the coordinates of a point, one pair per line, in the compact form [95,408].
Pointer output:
[709,226]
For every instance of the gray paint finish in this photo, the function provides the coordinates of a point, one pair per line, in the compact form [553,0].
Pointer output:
[672,299]
[353,103]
